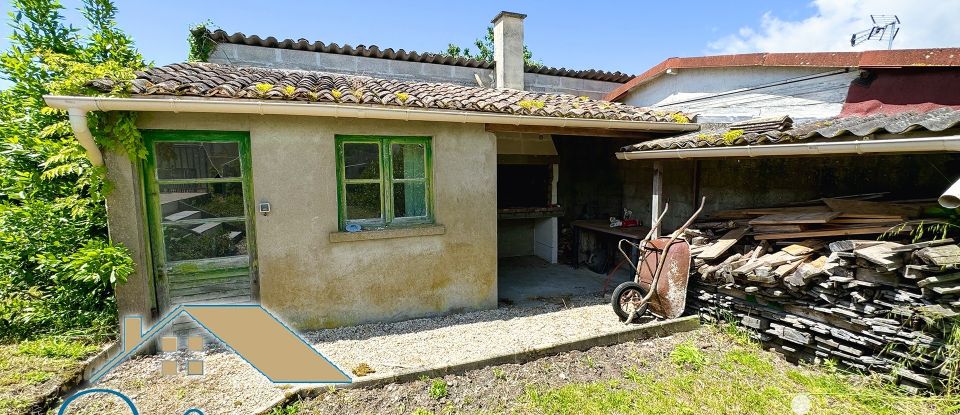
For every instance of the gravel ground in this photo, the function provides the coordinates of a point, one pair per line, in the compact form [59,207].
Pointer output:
[389,348]
[230,386]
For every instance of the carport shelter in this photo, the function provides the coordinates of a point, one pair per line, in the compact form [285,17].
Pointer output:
[908,155]
[330,199]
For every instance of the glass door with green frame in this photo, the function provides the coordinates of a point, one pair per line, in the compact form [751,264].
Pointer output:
[198,189]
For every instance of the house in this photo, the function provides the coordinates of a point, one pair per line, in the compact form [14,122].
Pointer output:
[333,198]
[748,102]
[805,86]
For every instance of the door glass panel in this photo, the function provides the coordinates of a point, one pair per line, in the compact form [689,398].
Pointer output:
[197,160]
[361,160]
[409,199]
[205,240]
[408,161]
[363,201]
[201,201]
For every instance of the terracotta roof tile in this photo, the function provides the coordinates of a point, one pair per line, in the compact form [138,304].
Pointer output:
[228,81]
[832,129]
[374,51]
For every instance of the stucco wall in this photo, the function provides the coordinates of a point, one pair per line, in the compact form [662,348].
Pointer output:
[314,283]
[732,94]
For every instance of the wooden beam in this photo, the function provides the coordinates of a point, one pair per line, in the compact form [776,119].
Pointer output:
[656,197]
[540,129]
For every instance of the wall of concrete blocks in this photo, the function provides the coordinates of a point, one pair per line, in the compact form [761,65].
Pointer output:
[245,55]
[743,183]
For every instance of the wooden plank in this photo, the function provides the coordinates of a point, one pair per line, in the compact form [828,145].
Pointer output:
[867,208]
[794,218]
[844,220]
[778,228]
[804,247]
[819,233]
[725,242]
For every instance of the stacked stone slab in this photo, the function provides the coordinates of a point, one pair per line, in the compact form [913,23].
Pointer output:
[875,306]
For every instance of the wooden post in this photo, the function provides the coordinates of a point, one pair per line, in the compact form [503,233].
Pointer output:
[656,198]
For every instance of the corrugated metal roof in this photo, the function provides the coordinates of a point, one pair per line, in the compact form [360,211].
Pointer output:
[867,59]
[374,51]
[228,81]
[836,128]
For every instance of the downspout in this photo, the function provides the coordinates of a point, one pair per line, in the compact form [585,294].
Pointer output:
[951,198]
[78,121]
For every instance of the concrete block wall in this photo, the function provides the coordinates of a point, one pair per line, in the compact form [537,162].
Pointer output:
[245,55]
[742,183]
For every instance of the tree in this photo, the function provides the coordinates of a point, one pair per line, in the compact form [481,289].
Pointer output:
[57,268]
[485,50]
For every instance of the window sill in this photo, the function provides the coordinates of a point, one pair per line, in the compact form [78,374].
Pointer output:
[404,232]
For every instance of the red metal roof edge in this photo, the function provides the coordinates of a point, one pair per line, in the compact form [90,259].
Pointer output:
[866,59]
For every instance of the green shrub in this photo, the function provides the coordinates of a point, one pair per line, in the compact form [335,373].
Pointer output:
[57,269]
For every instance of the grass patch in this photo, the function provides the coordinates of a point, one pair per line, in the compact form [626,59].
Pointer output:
[737,378]
[55,348]
[25,369]
[687,354]
[438,389]
[290,409]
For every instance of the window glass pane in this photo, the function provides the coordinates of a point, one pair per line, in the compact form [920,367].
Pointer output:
[208,240]
[409,199]
[197,160]
[200,201]
[361,160]
[363,201]
[408,161]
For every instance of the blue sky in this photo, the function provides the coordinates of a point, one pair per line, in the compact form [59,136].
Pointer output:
[626,36]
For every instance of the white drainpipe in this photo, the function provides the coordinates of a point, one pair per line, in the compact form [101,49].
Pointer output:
[951,198]
[78,121]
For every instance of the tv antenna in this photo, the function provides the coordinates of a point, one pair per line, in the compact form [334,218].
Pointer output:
[885,27]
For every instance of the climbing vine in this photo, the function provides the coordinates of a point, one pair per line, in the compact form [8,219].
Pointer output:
[201,44]
[115,129]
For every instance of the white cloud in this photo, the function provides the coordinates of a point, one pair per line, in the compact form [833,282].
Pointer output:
[925,23]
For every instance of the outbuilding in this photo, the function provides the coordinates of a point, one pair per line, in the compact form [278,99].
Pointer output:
[331,199]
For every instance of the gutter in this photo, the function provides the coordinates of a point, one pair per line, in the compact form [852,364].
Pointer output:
[228,106]
[78,121]
[865,146]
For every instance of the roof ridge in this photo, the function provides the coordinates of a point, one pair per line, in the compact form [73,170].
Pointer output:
[213,80]
[374,51]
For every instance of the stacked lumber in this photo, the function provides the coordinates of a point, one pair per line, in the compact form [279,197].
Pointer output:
[828,218]
[872,305]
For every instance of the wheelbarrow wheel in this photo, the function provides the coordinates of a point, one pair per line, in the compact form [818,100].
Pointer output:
[624,298]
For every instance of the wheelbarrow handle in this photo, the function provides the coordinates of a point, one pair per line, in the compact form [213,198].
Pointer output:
[661,258]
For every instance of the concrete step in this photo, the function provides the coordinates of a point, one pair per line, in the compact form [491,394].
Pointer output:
[206,227]
[183,214]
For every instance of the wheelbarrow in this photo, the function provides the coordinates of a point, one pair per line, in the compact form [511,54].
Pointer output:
[661,274]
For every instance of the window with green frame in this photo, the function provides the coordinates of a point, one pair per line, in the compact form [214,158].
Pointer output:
[384,181]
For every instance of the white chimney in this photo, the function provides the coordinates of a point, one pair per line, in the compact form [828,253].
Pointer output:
[508,49]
